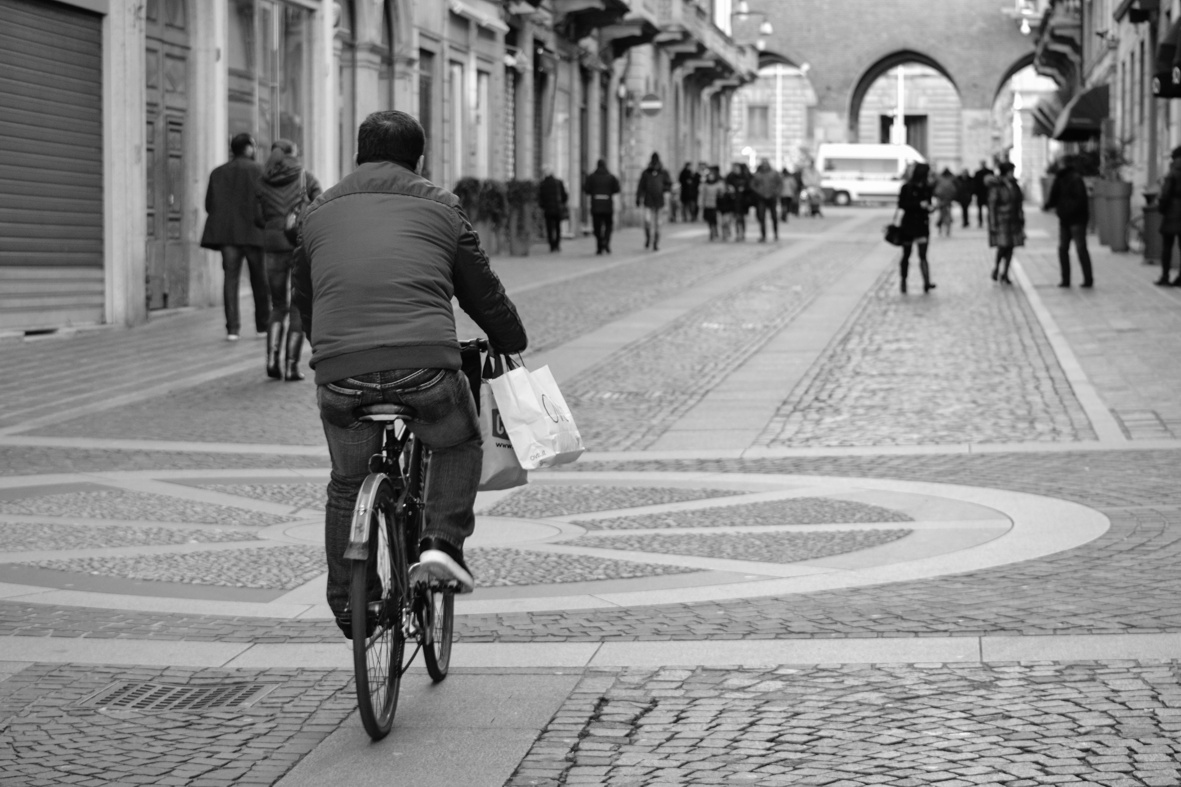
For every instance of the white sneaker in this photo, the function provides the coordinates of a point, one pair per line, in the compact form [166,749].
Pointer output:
[233,337]
[436,566]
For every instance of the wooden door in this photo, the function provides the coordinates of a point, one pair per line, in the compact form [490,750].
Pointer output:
[167,66]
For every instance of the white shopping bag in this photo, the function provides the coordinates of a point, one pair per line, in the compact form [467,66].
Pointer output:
[536,418]
[501,468]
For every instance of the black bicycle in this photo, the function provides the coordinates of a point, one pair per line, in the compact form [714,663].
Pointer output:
[389,606]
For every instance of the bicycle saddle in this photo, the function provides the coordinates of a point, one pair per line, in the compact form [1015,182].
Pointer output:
[385,412]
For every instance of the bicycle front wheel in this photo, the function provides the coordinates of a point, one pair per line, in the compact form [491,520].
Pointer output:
[376,600]
[437,619]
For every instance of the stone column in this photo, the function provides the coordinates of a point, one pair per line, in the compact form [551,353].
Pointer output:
[321,157]
[124,173]
[524,106]
[208,142]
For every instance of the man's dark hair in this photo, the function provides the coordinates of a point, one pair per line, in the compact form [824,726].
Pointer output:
[240,142]
[390,136]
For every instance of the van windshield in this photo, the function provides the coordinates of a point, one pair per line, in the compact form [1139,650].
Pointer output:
[882,166]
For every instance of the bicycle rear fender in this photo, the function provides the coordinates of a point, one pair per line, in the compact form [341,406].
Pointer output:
[358,548]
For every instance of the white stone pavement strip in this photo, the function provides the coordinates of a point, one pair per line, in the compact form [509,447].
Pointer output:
[18,536]
[584,655]
[123,505]
[955,529]
[1105,425]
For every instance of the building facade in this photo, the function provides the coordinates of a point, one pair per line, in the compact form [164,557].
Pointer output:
[108,143]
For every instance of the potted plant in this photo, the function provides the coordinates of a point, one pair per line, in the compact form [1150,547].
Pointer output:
[492,210]
[1114,194]
[521,196]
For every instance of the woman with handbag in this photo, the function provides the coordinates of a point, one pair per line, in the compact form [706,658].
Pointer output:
[285,189]
[915,200]
[1006,220]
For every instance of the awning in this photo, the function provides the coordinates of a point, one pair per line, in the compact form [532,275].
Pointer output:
[1045,114]
[1166,75]
[1083,117]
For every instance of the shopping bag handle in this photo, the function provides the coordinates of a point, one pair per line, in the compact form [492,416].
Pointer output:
[496,363]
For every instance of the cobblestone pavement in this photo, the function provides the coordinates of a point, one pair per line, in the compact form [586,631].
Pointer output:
[1005,724]
[48,738]
[118,504]
[971,365]
[628,401]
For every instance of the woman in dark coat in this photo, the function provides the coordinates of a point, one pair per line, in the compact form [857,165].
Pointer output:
[739,180]
[916,200]
[1006,220]
[284,186]
[1170,211]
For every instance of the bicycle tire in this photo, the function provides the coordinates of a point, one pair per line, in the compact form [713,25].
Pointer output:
[434,607]
[436,612]
[377,655]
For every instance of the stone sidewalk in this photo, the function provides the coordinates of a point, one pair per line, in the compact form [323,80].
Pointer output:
[826,534]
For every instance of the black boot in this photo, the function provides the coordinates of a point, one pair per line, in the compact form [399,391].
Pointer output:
[647,237]
[274,350]
[294,347]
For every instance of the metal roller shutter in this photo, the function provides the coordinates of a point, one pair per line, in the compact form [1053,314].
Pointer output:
[51,174]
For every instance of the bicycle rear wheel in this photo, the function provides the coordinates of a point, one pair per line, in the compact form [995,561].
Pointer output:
[437,619]
[376,600]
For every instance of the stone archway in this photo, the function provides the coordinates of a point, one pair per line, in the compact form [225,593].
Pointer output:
[880,69]
[975,44]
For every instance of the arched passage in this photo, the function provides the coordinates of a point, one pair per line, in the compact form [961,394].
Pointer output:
[1020,64]
[879,69]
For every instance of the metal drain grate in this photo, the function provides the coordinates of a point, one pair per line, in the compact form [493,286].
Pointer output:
[155,697]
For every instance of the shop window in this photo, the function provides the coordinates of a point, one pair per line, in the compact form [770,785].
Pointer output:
[346,49]
[269,59]
[459,120]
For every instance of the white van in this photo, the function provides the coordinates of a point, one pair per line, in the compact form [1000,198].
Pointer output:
[858,173]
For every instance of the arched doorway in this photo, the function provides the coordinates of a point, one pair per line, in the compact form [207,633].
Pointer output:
[774,116]
[932,112]
[1019,134]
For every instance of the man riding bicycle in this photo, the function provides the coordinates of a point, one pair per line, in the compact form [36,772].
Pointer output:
[381,256]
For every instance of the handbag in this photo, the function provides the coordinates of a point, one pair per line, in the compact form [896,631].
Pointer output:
[894,232]
[291,220]
[536,418]
[501,469]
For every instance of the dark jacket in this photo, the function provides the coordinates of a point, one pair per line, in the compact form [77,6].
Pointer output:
[1170,200]
[916,216]
[1068,197]
[980,183]
[1006,213]
[690,183]
[601,186]
[766,182]
[278,195]
[230,202]
[552,196]
[743,196]
[655,182]
[382,254]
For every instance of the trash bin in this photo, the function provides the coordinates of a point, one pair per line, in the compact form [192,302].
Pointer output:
[1153,242]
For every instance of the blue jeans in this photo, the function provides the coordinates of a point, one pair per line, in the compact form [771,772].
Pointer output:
[446,422]
[231,263]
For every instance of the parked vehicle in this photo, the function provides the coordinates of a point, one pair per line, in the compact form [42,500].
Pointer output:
[863,172]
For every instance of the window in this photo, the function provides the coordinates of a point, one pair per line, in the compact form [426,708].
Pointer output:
[268,55]
[758,122]
[426,87]
[459,121]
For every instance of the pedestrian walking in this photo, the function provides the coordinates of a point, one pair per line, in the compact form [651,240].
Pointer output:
[601,187]
[1170,211]
[655,182]
[385,251]
[285,186]
[726,209]
[552,197]
[915,201]
[1006,220]
[739,182]
[690,183]
[945,193]
[231,201]
[964,186]
[980,191]
[813,192]
[1068,198]
[766,185]
[788,195]
[711,190]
